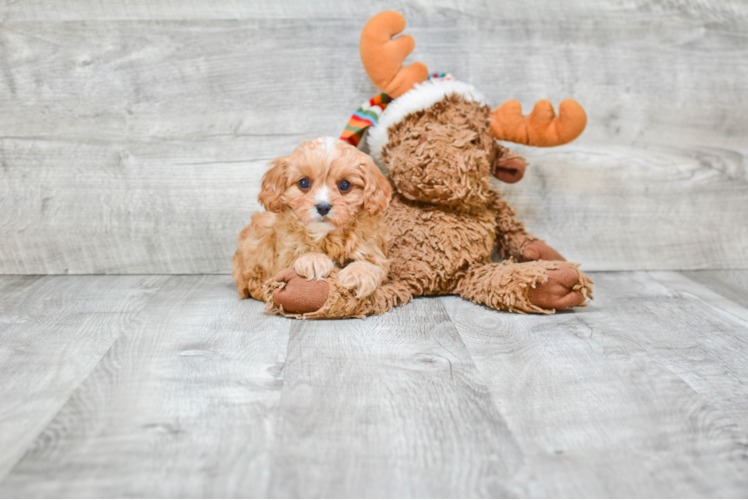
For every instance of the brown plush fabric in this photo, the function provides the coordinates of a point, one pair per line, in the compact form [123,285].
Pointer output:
[538,250]
[513,286]
[305,295]
[442,156]
[565,287]
[511,236]
[445,220]
[542,127]
[341,301]
[509,167]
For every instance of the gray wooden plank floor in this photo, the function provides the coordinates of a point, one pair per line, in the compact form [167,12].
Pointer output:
[170,386]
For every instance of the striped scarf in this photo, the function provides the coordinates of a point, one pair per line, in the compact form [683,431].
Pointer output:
[370,111]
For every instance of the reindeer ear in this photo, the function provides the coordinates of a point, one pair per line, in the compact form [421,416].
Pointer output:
[510,171]
[508,166]
[273,186]
[377,189]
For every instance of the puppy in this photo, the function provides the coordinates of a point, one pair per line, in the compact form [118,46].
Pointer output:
[324,207]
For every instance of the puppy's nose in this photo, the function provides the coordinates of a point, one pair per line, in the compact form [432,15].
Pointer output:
[323,208]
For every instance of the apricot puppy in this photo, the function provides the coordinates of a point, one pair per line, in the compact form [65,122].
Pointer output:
[324,207]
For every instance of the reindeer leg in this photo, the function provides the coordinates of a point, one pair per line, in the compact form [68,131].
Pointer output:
[529,287]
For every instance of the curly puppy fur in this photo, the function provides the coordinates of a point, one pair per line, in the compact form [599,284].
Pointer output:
[445,221]
[348,233]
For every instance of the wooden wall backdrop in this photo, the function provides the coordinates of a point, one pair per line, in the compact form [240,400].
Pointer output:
[133,133]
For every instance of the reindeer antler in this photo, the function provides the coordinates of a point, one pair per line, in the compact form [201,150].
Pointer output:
[541,127]
[383,55]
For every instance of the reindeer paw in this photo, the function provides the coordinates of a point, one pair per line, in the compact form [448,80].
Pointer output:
[562,290]
[299,295]
[538,250]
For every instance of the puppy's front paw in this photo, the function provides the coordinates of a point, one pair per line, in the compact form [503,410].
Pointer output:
[362,276]
[314,265]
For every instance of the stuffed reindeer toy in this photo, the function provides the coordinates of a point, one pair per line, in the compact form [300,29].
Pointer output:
[439,141]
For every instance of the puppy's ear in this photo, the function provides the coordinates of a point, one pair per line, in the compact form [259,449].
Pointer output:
[273,186]
[377,189]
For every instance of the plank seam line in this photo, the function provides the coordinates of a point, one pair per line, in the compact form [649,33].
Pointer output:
[277,417]
[480,372]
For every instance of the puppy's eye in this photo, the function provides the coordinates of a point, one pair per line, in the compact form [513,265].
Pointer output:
[304,183]
[344,186]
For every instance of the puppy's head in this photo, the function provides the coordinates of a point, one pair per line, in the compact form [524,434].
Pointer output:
[326,181]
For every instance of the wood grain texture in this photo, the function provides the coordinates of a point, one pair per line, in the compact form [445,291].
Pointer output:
[641,394]
[731,283]
[390,407]
[182,405]
[130,208]
[133,134]
[638,208]
[54,331]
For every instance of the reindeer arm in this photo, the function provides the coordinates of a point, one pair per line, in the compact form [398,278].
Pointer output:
[513,240]
[511,235]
